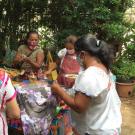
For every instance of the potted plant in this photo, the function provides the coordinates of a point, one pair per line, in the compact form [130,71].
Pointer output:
[124,69]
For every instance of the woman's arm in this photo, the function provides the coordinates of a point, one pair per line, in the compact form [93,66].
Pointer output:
[51,67]
[18,58]
[13,110]
[19,55]
[78,103]
[39,60]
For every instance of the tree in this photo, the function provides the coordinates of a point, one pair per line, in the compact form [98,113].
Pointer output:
[103,17]
[63,17]
[17,17]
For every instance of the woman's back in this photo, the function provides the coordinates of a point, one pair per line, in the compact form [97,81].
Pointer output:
[105,103]
[96,101]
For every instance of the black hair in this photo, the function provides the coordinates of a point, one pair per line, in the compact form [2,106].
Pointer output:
[96,48]
[31,32]
[22,42]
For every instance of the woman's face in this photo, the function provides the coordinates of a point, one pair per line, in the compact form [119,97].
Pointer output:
[33,41]
[70,48]
[82,58]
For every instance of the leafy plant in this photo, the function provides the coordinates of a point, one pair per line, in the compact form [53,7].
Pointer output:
[104,17]
[62,18]
[130,52]
[124,69]
[114,31]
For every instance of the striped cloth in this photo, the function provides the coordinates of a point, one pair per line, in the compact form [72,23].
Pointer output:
[7,93]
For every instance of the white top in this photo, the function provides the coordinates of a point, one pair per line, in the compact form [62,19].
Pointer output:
[7,93]
[62,53]
[103,115]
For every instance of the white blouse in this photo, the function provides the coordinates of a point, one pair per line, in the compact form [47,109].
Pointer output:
[103,116]
[7,93]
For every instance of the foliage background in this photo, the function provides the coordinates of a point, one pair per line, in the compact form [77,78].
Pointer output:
[56,19]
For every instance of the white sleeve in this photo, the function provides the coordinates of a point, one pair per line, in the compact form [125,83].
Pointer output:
[62,53]
[89,84]
[10,91]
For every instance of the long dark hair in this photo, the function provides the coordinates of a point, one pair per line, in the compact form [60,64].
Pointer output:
[96,48]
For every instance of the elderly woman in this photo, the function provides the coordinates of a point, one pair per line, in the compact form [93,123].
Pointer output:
[30,56]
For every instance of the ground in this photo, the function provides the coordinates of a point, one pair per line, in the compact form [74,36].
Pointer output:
[128,116]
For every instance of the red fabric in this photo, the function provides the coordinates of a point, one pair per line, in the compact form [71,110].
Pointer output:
[69,65]
[12,97]
[67,82]
[2,104]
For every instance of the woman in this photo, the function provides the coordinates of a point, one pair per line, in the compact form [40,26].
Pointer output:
[30,56]
[96,103]
[68,63]
[8,104]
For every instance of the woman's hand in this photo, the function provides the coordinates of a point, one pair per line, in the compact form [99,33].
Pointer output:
[55,87]
[26,59]
[23,56]
[20,57]
[48,72]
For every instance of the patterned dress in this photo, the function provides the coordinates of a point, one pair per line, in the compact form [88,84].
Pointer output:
[7,93]
[69,65]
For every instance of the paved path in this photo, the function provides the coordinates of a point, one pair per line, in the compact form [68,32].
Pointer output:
[128,114]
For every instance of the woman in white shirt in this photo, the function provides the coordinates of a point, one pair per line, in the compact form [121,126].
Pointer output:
[8,103]
[95,105]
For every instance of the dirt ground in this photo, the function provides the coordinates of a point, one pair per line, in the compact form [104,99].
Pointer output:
[128,116]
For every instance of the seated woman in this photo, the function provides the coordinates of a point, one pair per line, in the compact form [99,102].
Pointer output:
[30,56]
[68,63]
[8,103]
